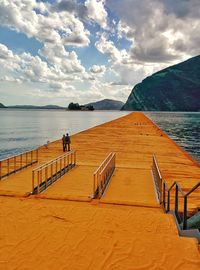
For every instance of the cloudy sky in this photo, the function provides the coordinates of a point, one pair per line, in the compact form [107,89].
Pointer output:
[54,52]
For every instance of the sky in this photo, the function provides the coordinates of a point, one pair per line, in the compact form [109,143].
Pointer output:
[56,52]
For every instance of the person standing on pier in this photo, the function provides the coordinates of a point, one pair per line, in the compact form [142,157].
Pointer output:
[67,142]
[64,143]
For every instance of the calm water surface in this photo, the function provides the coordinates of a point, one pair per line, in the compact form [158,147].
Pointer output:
[22,130]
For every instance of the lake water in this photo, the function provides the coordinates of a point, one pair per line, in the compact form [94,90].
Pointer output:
[22,130]
[184,128]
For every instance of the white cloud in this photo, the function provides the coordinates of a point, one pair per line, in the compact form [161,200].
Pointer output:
[107,47]
[10,79]
[63,66]
[98,69]
[160,31]
[57,56]
[96,11]
[156,34]
[46,26]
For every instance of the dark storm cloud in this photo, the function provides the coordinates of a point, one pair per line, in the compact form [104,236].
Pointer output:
[182,8]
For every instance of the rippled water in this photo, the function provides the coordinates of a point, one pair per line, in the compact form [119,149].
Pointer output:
[184,128]
[22,130]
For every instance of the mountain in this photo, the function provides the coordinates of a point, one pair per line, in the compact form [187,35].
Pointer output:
[106,104]
[49,107]
[176,88]
[2,106]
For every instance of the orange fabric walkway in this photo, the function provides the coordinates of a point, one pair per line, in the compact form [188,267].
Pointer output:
[46,234]
[131,187]
[124,230]
[77,184]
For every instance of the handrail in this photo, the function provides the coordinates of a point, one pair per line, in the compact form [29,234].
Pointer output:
[103,163]
[103,175]
[176,206]
[157,178]
[178,189]
[46,174]
[192,189]
[156,164]
[18,162]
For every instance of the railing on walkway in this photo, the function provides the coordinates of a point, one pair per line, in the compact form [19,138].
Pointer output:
[181,216]
[103,175]
[157,178]
[48,173]
[166,194]
[18,162]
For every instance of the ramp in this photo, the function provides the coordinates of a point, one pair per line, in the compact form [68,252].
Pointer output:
[132,187]
[77,184]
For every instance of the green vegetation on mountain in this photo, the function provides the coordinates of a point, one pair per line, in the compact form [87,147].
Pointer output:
[76,107]
[107,104]
[176,88]
[2,106]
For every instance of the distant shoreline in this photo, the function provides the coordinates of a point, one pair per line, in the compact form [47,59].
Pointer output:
[97,110]
[58,109]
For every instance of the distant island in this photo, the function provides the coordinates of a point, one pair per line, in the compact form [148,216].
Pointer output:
[176,88]
[76,107]
[106,104]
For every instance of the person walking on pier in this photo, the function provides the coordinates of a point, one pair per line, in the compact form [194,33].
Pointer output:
[67,142]
[63,143]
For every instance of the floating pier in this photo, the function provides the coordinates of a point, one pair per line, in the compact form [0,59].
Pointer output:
[103,205]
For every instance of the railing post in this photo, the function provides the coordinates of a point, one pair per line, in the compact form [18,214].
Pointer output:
[26,159]
[176,201]
[0,169]
[64,162]
[14,163]
[74,157]
[31,157]
[60,167]
[161,191]
[164,198]
[185,214]
[40,177]
[8,166]
[38,180]
[33,185]
[46,176]
[56,168]
[99,186]
[168,201]
[37,155]
[67,162]
[94,185]
[21,160]
[51,173]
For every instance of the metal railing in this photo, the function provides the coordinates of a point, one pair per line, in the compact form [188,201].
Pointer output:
[103,175]
[165,196]
[16,163]
[181,216]
[157,178]
[48,173]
